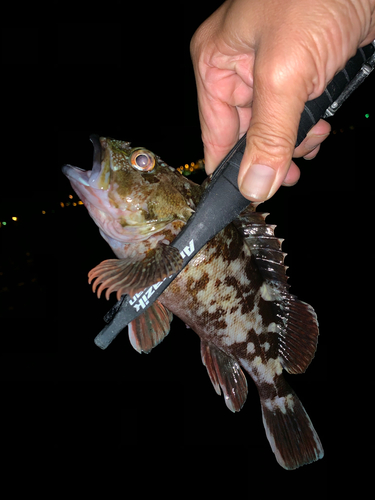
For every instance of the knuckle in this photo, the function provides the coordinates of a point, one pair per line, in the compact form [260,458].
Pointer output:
[197,41]
[271,145]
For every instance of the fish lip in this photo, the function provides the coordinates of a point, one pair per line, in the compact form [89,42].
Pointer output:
[87,178]
[76,174]
[97,161]
[85,182]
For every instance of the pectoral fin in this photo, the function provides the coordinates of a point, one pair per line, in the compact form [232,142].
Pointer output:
[131,276]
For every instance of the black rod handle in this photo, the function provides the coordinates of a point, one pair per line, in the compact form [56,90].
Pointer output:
[342,85]
[222,201]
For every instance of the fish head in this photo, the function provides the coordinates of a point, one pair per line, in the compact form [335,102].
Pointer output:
[130,192]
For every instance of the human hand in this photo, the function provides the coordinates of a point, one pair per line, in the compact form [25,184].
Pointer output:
[256,63]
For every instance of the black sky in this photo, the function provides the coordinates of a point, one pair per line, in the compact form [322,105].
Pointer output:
[131,78]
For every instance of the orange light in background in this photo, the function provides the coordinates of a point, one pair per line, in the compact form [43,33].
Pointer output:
[62,204]
[14,218]
[43,211]
[80,202]
[70,196]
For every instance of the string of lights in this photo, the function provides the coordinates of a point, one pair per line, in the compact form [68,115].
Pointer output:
[5,222]
[187,170]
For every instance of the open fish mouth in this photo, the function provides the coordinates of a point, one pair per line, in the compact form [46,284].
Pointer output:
[97,161]
[87,178]
[92,186]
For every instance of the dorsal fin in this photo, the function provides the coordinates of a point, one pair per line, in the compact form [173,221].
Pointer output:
[263,244]
[296,321]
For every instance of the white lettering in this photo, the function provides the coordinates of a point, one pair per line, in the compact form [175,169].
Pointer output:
[188,250]
[136,307]
[146,294]
[156,286]
[135,298]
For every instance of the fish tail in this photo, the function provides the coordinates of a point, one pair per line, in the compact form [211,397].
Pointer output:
[289,430]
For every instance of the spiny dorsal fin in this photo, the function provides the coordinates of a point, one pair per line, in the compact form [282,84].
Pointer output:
[150,328]
[297,325]
[263,244]
[225,373]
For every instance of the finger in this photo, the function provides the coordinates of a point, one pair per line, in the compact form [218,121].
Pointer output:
[278,103]
[219,138]
[220,129]
[292,176]
[309,146]
[312,154]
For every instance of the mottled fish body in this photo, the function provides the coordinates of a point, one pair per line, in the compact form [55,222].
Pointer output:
[233,293]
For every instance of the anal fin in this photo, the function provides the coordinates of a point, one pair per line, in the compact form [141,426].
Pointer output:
[225,373]
[150,328]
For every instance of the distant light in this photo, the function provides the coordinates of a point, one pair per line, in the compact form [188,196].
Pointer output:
[70,196]
[367,115]
[43,211]
[14,218]
[80,202]
[74,204]
[4,223]
[62,204]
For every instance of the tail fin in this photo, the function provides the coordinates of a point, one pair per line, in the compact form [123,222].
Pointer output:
[289,430]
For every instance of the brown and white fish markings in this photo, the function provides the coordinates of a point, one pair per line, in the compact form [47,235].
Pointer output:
[233,293]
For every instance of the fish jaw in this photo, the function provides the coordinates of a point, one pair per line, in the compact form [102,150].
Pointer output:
[98,204]
[93,187]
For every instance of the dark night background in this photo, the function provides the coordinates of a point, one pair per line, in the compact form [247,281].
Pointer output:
[133,80]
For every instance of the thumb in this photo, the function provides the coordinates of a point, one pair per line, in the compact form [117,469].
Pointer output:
[277,106]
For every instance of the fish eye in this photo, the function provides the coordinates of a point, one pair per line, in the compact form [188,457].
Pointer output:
[142,159]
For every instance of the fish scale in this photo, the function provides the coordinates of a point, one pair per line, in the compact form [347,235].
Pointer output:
[233,293]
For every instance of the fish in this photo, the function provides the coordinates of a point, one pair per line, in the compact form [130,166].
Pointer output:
[234,293]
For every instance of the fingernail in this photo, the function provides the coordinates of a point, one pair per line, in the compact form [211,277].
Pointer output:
[258,182]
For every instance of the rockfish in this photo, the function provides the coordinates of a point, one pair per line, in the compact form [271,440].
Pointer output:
[233,293]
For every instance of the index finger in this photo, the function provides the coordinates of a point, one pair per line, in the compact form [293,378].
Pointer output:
[220,127]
